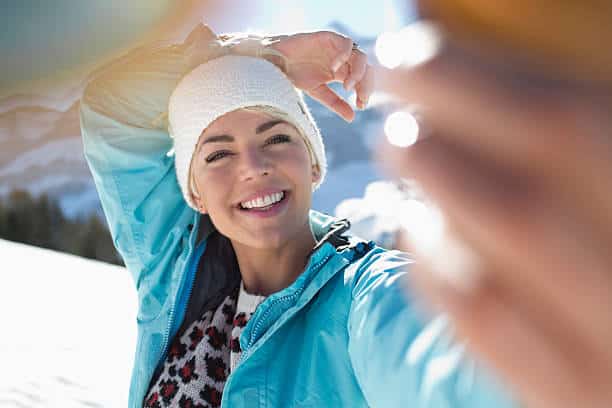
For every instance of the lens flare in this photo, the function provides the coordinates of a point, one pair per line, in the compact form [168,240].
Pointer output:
[401,129]
[411,46]
[389,49]
[424,223]
[421,41]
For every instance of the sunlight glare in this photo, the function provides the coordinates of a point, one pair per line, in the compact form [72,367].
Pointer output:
[411,46]
[424,222]
[421,41]
[401,129]
[389,49]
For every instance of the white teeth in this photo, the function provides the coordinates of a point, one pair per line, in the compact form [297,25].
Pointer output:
[263,201]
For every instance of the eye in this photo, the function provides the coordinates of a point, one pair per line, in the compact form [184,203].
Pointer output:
[216,156]
[276,139]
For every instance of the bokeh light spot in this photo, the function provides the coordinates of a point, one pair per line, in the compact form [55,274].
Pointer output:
[401,129]
[412,45]
[389,50]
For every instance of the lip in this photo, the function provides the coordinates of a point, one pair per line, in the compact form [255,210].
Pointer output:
[260,193]
[274,210]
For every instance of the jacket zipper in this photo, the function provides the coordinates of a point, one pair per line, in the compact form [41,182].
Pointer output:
[166,339]
[261,320]
[249,351]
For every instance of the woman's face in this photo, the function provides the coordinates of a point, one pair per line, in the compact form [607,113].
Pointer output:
[254,176]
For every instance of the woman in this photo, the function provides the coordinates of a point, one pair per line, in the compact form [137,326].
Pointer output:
[246,296]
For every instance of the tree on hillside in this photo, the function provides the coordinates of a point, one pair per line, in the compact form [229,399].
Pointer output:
[39,221]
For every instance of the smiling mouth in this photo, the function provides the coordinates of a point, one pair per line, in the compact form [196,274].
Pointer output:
[264,204]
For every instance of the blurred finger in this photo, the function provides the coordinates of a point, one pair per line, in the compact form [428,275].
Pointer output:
[333,101]
[453,94]
[547,137]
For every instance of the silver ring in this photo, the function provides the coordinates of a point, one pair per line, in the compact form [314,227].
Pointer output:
[356,46]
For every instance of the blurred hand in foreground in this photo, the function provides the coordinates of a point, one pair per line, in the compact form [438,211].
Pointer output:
[524,267]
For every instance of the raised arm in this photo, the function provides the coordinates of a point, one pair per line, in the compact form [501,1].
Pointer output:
[126,144]
[400,358]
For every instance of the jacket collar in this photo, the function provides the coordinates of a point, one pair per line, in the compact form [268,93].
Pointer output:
[326,228]
[332,253]
[217,275]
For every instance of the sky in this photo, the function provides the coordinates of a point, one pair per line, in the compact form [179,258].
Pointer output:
[364,17]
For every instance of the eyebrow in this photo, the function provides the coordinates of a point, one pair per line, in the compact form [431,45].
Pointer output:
[268,125]
[228,138]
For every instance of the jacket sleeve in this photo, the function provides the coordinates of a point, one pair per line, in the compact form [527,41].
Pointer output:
[402,359]
[123,114]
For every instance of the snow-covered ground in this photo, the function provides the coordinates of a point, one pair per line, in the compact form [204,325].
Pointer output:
[68,330]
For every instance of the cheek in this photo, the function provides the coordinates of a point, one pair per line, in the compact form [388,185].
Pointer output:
[214,187]
[295,163]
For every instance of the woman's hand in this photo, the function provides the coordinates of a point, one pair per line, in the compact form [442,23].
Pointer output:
[319,58]
[523,178]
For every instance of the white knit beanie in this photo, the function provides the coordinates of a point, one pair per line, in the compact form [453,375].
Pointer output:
[223,85]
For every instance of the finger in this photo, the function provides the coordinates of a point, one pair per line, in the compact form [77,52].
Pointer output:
[546,138]
[333,101]
[358,63]
[364,88]
[527,355]
[452,95]
[508,220]
[342,73]
[343,49]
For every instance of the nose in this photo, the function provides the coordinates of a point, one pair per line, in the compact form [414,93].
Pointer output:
[254,164]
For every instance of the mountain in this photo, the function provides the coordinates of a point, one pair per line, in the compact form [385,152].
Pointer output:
[60,97]
[63,343]
[42,152]
[42,149]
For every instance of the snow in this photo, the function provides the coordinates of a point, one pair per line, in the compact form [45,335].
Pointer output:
[68,330]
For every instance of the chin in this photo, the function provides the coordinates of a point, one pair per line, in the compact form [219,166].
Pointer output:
[265,233]
[265,237]
[268,239]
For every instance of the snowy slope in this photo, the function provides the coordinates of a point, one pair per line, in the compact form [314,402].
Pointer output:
[68,330]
